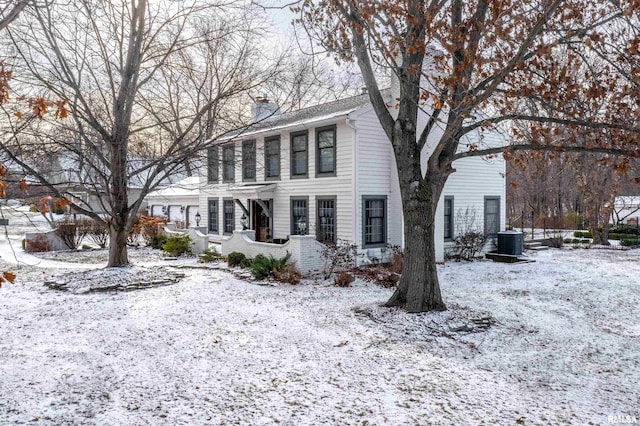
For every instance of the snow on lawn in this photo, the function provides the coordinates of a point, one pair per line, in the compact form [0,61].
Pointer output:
[565,349]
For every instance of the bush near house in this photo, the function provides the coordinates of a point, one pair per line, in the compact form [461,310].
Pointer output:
[178,245]
[469,244]
[263,266]
[157,241]
[148,227]
[210,256]
[338,256]
[288,274]
[235,258]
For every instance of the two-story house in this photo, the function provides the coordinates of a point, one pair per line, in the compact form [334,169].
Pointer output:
[329,171]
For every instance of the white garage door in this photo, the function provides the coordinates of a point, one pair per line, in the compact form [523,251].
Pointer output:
[156,210]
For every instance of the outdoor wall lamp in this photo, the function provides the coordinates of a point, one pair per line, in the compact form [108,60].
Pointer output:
[198,217]
[244,222]
[302,225]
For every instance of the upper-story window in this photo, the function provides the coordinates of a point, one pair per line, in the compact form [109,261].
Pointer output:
[228,163]
[326,151]
[299,155]
[212,165]
[249,160]
[272,158]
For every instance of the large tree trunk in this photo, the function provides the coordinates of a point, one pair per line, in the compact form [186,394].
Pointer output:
[118,236]
[119,224]
[419,288]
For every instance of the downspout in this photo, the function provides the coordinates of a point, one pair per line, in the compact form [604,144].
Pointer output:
[354,177]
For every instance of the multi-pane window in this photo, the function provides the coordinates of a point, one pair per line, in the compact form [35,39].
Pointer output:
[326,151]
[299,154]
[326,223]
[228,216]
[272,157]
[213,216]
[228,163]
[212,165]
[375,221]
[249,160]
[491,215]
[299,216]
[448,218]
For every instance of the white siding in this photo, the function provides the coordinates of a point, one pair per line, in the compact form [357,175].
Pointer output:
[476,178]
[339,186]
[376,174]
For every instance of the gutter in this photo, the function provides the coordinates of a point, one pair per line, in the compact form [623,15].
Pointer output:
[354,176]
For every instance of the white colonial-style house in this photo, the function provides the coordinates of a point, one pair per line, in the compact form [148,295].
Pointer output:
[329,171]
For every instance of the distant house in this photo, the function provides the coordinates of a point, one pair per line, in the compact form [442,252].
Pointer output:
[177,202]
[329,171]
[626,209]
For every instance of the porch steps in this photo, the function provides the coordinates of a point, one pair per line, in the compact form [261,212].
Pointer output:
[535,245]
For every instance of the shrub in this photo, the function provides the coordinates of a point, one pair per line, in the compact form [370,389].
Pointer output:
[340,255]
[469,241]
[246,263]
[98,232]
[158,241]
[210,256]
[235,258]
[469,245]
[397,260]
[630,241]
[556,242]
[148,227]
[178,245]
[39,244]
[260,266]
[71,234]
[582,234]
[343,279]
[288,274]
[263,267]
[627,230]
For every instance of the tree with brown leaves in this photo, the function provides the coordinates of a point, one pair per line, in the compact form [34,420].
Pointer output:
[464,65]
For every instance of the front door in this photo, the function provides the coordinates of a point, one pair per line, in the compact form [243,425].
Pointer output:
[260,222]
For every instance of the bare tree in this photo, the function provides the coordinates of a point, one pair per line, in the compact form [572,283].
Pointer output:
[146,86]
[454,58]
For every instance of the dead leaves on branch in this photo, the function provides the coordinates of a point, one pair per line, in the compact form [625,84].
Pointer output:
[38,106]
[7,277]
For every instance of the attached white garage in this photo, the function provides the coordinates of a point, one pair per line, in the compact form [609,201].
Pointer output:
[177,202]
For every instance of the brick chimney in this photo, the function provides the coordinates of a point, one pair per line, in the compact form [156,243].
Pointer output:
[263,109]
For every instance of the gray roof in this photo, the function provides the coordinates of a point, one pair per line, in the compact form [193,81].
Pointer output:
[338,108]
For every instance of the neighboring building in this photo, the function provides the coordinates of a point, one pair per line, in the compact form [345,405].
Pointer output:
[177,202]
[330,171]
[626,210]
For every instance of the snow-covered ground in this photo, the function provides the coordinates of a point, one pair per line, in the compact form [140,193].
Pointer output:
[212,349]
